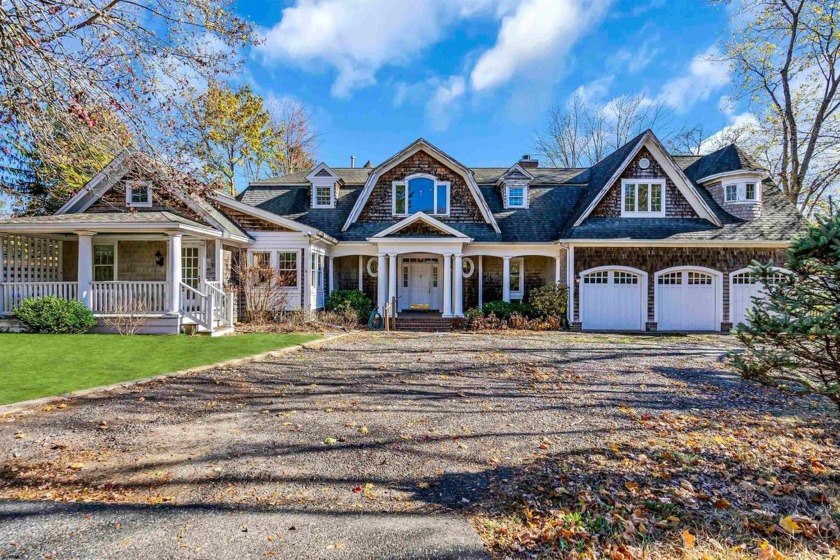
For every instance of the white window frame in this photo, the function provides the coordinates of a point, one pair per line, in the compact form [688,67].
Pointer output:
[129,191]
[405,182]
[642,213]
[467,264]
[369,267]
[741,192]
[114,265]
[519,293]
[328,184]
[296,254]
[510,204]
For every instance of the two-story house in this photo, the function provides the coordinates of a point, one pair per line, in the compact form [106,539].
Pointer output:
[643,240]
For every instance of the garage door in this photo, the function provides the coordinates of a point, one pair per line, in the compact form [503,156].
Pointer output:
[744,288]
[686,301]
[612,300]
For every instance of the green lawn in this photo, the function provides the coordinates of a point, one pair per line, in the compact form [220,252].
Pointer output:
[40,365]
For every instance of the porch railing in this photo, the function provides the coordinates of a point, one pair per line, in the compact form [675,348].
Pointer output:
[12,294]
[197,306]
[222,304]
[120,298]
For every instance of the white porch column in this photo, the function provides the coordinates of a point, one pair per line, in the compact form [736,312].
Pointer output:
[392,281]
[480,281]
[331,264]
[174,274]
[361,274]
[2,271]
[459,286]
[307,279]
[506,279]
[219,265]
[447,285]
[570,275]
[85,266]
[381,283]
[557,269]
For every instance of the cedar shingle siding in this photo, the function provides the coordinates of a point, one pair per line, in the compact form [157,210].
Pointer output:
[676,206]
[252,223]
[463,207]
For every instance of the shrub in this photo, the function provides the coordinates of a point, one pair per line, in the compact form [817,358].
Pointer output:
[341,300]
[54,315]
[503,310]
[550,301]
[793,333]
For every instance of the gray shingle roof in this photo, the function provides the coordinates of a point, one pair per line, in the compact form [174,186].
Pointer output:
[107,218]
[558,196]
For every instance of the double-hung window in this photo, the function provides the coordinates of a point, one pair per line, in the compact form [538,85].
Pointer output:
[741,192]
[287,268]
[420,194]
[643,197]
[104,262]
[262,266]
[516,197]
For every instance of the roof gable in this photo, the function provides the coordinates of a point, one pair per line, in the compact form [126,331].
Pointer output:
[606,172]
[415,147]
[433,227]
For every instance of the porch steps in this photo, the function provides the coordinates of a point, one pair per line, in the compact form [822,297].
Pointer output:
[423,323]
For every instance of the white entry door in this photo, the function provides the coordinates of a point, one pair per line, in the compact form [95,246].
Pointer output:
[686,300]
[420,286]
[191,275]
[612,300]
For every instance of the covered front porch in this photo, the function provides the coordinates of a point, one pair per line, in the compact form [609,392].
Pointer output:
[171,277]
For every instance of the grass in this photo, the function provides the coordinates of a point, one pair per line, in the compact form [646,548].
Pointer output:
[41,365]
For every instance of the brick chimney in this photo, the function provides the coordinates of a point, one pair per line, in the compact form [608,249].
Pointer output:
[527,163]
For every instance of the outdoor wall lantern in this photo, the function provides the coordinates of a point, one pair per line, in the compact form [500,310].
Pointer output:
[158,259]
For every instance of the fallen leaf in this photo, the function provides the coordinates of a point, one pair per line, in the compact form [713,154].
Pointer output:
[789,525]
[688,539]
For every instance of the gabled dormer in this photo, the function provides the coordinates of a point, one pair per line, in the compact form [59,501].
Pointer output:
[324,185]
[734,180]
[514,184]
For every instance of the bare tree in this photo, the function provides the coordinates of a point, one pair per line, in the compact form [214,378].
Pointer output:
[101,68]
[265,291]
[299,141]
[580,133]
[697,140]
[786,54]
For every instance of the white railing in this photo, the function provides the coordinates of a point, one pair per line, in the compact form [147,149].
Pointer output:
[121,298]
[222,304]
[197,306]
[13,293]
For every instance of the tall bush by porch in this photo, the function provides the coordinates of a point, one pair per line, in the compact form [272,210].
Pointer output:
[53,315]
[792,337]
[343,300]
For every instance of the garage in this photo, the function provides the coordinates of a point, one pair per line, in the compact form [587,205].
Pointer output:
[688,299]
[613,299]
[743,287]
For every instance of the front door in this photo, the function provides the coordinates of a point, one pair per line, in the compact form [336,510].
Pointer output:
[190,275]
[420,285]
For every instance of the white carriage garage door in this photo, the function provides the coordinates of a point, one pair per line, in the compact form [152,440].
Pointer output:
[612,300]
[686,300]
[744,287]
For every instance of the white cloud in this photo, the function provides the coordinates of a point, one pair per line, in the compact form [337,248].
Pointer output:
[638,59]
[594,91]
[537,31]
[706,74]
[358,37]
[445,100]
[741,128]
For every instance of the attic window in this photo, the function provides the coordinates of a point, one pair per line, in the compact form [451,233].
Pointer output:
[420,193]
[642,198]
[138,194]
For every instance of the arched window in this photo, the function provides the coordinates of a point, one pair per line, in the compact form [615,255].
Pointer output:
[420,193]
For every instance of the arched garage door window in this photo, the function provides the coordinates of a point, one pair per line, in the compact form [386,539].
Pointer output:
[743,287]
[688,299]
[613,299]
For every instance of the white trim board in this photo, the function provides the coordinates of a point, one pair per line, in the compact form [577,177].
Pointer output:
[421,217]
[420,145]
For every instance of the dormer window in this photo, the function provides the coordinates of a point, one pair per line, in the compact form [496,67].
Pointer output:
[322,196]
[741,192]
[420,193]
[643,198]
[138,194]
[516,197]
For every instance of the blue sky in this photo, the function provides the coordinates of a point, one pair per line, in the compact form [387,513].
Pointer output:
[476,77]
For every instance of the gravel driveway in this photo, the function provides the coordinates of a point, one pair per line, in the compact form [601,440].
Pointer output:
[401,428]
